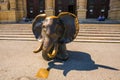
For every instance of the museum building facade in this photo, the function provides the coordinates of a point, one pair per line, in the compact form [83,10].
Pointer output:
[16,10]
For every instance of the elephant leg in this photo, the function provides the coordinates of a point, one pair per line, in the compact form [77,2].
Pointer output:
[62,53]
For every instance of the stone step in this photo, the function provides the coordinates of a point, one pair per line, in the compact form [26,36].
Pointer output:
[96,38]
[87,33]
[81,29]
[97,41]
[78,38]
[16,33]
[99,28]
[28,32]
[16,26]
[17,36]
[17,39]
[99,34]
[15,30]
[96,31]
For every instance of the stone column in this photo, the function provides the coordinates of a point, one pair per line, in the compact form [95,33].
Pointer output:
[20,9]
[49,10]
[81,9]
[20,4]
[114,12]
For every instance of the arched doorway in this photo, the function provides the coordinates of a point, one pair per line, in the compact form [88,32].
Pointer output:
[65,6]
[35,7]
[97,7]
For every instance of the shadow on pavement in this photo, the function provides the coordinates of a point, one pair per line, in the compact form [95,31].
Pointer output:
[78,61]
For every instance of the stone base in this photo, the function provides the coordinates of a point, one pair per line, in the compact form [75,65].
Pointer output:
[8,16]
[81,13]
[20,15]
[114,14]
[11,16]
[49,12]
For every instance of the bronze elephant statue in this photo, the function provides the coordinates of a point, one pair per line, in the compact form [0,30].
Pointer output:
[53,33]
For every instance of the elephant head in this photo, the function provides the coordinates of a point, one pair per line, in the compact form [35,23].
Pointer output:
[53,32]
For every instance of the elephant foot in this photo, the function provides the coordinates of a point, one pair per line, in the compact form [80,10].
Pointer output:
[62,56]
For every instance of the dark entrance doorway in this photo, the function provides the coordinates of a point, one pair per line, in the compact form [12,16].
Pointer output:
[65,6]
[35,7]
[95,8]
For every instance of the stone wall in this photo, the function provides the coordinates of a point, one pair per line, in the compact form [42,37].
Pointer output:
[7,11]
[4,6]
[81,8]
[16,10]
[12,10]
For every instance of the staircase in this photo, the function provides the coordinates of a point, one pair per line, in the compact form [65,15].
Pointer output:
[18,32]
[100,33]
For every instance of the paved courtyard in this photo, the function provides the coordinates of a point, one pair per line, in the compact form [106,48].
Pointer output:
[88,61]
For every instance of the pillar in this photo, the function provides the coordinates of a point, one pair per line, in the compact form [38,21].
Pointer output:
[81,9]
[114,12]
[20,9]
[49,9]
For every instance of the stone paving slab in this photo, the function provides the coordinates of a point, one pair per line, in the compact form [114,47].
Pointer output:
[88,61]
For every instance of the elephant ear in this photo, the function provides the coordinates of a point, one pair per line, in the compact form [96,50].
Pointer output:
[71,26]
[37,25]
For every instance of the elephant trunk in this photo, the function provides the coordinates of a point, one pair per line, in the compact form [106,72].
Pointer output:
[50,48]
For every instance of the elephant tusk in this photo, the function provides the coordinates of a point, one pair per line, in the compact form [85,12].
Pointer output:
[39,48]
[54,52]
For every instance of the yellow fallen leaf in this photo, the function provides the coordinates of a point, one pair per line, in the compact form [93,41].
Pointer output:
[42,73]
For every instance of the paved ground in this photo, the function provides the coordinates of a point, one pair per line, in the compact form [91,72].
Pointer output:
[88,61]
